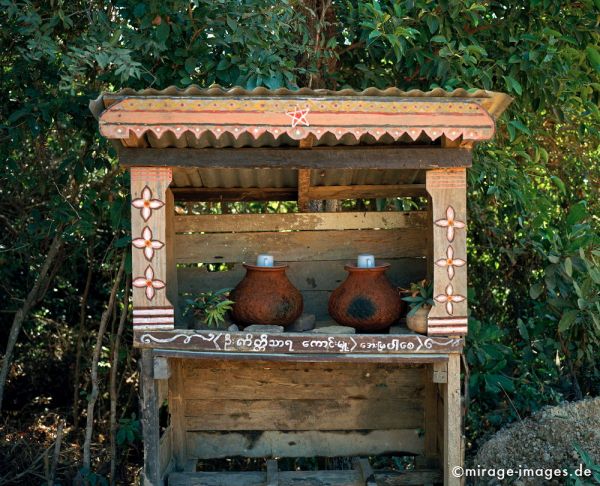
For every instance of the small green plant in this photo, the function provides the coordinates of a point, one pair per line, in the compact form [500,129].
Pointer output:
[210,307]
[587,463]
[421,294]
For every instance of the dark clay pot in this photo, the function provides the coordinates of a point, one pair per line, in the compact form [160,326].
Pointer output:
[266,296]
[366,300]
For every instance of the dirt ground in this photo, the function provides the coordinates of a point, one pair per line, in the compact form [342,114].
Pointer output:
[544,441]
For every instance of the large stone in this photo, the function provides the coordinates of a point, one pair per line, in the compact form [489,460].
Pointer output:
[334,330]
[305,322]
[233,328]
[263,328]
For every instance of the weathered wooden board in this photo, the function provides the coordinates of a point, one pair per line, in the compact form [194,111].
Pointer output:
[366,191]
[314,275]
[250,478]
[453,453]
[343,414]
[296,343]
[166,452]
[149,419]
[233,194]
[307,478]
[300,245]
[301,381]
[176,409]
[316,158]
[241,223]
[206,445]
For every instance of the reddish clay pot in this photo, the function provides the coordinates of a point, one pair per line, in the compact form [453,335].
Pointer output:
[266,296]
[366,300]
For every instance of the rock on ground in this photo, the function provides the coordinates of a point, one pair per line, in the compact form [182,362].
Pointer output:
[544,440]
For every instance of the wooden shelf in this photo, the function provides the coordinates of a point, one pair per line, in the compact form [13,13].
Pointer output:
[305,478]
[297,346]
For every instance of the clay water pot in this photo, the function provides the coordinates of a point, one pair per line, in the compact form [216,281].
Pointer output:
[266,296]
[366,300]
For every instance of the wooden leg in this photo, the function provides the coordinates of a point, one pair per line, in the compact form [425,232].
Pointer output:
[431,419]
[452,422]
[177,415]
[272,472]
[150,427]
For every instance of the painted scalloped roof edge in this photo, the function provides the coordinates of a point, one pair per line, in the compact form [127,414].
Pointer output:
[493,102]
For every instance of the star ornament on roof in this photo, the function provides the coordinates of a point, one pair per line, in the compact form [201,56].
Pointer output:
[299,116]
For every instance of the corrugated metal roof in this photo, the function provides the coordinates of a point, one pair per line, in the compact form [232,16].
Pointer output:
[176,124]
[288,178]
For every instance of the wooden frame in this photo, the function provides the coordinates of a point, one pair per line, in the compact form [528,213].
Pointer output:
[286,394]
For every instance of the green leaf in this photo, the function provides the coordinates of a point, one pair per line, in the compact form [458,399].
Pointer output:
[162,32]
[577,214]
[522,329]
[593,56]
[536,290]
[190,64]
[568,267]
[432,24]
[440,39]
[559,183]
[139,10]
[513,85]
[567,320]
[518,124]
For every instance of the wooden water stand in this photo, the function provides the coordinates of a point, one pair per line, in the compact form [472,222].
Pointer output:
[278,395]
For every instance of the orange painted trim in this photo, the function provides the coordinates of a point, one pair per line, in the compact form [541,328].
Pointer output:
[297,118]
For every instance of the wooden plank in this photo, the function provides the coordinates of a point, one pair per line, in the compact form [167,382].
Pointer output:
[366,191]
[411,358]
[176,409]
[242,223]
[440,373]
[303,189]
[309,276]
[215,444]
[452,422]
[303,381]
[232,194]
[172,290]
[346,157]
[272,473]
[300,245]
[251,478]
[409,478]
[149,422]
[295,343]
[166,452]
[320,478]
[303,414]
[305,478]
[430,420]
[367,476]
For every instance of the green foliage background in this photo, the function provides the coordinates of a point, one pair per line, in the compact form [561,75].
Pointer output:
[533,192]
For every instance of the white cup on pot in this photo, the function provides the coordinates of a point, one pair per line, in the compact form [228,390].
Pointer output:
[365,260]
[264,261]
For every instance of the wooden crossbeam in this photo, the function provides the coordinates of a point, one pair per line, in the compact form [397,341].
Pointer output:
[346,157]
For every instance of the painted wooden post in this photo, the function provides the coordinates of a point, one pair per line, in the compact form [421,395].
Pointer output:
[447,188]
[152,308]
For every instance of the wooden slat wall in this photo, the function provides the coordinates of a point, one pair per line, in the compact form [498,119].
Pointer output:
[292,409]
[314,245]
